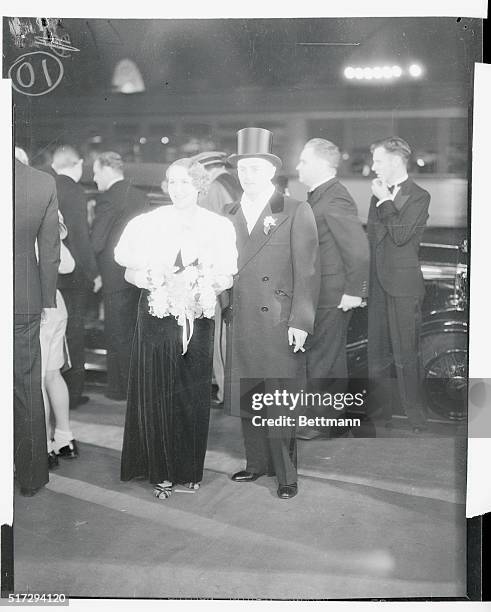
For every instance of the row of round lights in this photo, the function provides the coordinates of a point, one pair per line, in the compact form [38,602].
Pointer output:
[381,72]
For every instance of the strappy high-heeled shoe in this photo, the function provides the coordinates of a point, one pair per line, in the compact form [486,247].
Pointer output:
[163,490]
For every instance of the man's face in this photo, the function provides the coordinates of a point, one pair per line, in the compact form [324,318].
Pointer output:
[255,175]
[311,168]
[102,176]
[386,165]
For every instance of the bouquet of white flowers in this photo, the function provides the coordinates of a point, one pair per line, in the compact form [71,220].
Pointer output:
[186,295]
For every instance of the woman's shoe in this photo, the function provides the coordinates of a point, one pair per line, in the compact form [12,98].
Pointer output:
[163,490]
[70,451]
[187,487]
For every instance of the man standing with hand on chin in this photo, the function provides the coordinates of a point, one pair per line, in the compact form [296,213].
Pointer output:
[396,221]
[272,305]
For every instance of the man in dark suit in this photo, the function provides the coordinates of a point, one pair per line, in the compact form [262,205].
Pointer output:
[272,307]
[35,218]
[396,221]
[75,287]
[344,263]
[117,205]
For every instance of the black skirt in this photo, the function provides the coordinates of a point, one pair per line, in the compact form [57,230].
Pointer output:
[169,397]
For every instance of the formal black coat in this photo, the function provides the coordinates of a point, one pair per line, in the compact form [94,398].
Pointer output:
[114,209]
[276,287]
[73,206]
[394,232]
[343,245]
[35,217]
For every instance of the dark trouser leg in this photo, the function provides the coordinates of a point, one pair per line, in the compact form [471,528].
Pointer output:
[258,456]
[405,324]
[327,368]
[326,354]
[271,450]
[76,305]
[120,309]
[30,450]
[283,450]
[382,386]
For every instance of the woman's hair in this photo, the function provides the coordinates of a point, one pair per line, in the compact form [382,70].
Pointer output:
[199,176]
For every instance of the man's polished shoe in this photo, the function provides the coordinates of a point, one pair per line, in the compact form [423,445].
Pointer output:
[245,476]
[287,491]
[70,451]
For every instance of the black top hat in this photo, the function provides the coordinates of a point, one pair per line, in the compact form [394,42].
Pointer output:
[254,142]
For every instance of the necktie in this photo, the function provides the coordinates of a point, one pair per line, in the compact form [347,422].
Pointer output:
[391,188]
[310,196]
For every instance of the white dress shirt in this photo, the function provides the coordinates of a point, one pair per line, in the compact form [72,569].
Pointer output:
[252,209]
[324,180]
[397,187]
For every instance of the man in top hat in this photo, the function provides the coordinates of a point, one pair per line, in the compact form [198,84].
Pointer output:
[271,311]
[223,189]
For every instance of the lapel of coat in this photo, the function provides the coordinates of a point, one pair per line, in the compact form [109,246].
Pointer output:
[402,196]
[258,238]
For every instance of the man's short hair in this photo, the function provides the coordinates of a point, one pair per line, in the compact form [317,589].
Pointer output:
[111,159]
[394,145]
[65,156]
[325,149]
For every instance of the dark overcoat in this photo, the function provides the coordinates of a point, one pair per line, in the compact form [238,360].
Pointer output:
[35,218]
[276,287]
[114,209]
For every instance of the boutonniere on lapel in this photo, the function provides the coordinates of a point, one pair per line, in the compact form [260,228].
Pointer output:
[268,224]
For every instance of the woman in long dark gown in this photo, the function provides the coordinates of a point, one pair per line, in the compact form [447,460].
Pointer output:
[169,391]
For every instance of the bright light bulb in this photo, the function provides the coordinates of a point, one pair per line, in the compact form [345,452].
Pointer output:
[367,73]
[377,72]
[143,140]
[359,73]
[164,140]
[387,72]
[415,70]
[420,162]
[396,71]
[349,72]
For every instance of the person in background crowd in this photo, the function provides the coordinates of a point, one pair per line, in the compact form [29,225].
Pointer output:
[396,222]
[53,357]
[344,262]
[35,219]
[75,287]
[118,203]
[166,426]
[224,188]
[273,304]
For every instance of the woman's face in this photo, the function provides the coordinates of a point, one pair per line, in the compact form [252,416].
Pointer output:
[181,189]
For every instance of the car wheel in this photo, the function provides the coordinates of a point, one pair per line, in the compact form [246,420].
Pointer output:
[444,357]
